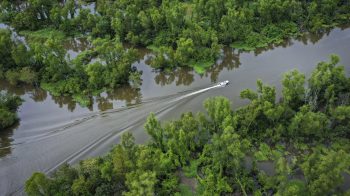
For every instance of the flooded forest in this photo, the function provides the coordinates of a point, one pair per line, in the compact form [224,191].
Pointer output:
[129,97]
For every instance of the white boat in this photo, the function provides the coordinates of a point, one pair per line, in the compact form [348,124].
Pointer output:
[224,83]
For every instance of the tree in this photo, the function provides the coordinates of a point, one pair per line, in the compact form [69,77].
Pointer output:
[323,170]
[52,55]
[95,73]
[328,84]
[63,179]
[218,109]
[184,51]
[7,118]
[262,117]
[293,91]
[80,187]
[115,60]
[38,184]
[236,25]
[309,124]
[8,108]
[293,187]
[340,120]
[6,46]
[22,56]
[140,183]
[214,183]
[154,129]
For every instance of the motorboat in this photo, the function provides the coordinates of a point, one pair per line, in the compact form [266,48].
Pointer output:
[224,83]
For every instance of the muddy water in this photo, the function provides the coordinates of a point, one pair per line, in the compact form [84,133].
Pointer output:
[54,130]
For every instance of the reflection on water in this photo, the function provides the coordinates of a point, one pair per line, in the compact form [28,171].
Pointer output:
[76,45]
[228,61]
[37,94]
[124,96]
[186,76]
[40,109]
[309,38]
[3,26]
[62,101]
[181,76]
[126,93]
[6,139]
[90,6]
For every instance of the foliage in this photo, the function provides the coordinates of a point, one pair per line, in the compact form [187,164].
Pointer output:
[305,131]
[45,62]
[8,109]
[323,170]
[184,33]
[43,34]
[328,84]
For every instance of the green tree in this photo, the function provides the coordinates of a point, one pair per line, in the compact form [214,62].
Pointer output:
[184,51]
[8,108]
[38,184]
[140,183]
[154,129]
[328,84]
[341,120]
[309,124]
[293,90]
[218,109]
[6,45]
[323,170]
[7,118]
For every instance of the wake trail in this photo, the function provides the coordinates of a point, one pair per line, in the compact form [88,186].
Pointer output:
[62,129]
[115,133]
[196,92]
[111,135]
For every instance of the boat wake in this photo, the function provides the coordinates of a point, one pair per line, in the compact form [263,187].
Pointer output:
[90,136]
[48,133]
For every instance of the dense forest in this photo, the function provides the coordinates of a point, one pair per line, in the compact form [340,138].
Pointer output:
[180,33]
[303,135]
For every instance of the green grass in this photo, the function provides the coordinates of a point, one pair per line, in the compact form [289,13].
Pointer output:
[201,67]
[43,34]
[82,100]
[51,88]
[242,46]
[153,48]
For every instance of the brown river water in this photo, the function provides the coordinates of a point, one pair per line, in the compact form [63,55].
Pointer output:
[54,130]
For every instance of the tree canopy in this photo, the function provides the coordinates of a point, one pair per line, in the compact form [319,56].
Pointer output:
[187,33]
[8,108]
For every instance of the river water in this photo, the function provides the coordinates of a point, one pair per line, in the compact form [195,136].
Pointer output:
[54,130]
